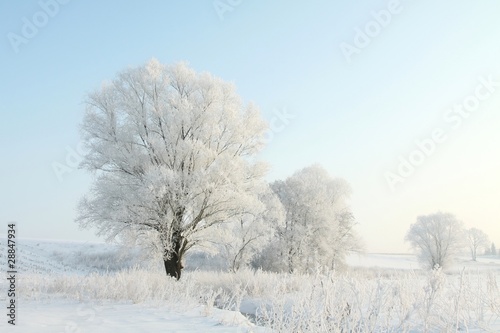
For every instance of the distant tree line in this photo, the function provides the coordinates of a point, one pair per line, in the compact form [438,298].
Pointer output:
[438,237]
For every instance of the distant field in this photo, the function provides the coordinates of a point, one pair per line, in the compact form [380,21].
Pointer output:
[408,262]
[71,257]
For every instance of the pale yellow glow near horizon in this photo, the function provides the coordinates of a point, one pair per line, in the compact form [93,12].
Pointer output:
[462,177]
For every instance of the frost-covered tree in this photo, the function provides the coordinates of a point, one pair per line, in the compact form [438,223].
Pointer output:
[491,250]
[436,238]
[172,153]
[476,240]
[318,229]
[247,235]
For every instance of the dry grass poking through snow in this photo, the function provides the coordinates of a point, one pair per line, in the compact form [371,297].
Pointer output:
[358,301]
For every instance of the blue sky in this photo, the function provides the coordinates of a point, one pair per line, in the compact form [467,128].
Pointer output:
[354,116]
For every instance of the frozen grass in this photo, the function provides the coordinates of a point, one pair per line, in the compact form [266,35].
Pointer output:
[360,301]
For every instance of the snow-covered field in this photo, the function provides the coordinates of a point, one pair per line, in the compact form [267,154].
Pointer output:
[56,315]
[43,263]
[91,287]
[409,262]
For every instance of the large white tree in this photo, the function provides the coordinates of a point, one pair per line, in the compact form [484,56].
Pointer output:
[318,229]
[436,238]
[172,153]
[476,239]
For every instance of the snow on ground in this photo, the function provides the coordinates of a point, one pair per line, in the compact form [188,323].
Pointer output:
[59,313]
[69,257]
[409,262]
[54,315]
[391,261]
[61,316]
[483,263]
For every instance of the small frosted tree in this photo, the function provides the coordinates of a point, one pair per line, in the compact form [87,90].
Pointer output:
[436,238]
[476,240]
[172,153]
[246,237]
[319,226]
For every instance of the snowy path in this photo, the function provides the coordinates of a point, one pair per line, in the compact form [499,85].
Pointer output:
[63,316]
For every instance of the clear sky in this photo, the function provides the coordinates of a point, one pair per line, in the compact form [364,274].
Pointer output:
[350,85]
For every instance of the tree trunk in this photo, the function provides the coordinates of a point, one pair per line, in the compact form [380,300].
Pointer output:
[172,258]
[173,261]
[173,266]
